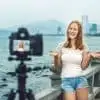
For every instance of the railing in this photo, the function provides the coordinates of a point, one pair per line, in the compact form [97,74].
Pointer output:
[92,74]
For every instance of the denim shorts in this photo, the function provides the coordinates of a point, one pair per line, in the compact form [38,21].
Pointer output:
[74,83]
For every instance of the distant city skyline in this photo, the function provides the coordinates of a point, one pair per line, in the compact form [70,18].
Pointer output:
[15,12]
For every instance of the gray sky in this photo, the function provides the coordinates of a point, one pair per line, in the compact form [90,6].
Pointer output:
[14,12]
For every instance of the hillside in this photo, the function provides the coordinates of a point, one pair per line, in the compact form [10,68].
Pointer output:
[44,27]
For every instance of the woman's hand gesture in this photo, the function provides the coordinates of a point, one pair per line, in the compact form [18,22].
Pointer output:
[53,53]
[95,54]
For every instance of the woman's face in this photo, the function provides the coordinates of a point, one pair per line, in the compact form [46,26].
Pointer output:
[73,31]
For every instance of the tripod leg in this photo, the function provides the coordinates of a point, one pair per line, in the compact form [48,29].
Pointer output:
[30,95]
[12,95]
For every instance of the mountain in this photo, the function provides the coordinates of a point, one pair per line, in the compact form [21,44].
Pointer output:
[44,27]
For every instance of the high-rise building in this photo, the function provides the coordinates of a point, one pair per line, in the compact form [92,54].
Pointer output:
[93,29]
[85,24]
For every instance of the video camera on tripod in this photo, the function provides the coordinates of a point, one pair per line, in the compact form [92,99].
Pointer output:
[33,44]
[21,46]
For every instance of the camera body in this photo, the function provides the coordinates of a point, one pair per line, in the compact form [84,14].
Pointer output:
[22,44]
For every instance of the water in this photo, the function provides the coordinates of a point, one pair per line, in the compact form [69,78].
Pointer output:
[37,80]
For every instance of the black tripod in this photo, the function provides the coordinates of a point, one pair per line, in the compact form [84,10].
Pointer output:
[21,75]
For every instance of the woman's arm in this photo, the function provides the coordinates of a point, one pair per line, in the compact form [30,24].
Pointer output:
[57,61]
[57,58]
[85,60]
[95,54]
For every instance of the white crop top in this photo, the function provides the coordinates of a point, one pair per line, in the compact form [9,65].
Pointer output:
[71,62]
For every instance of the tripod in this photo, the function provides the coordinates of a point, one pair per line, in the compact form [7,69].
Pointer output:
[21,75]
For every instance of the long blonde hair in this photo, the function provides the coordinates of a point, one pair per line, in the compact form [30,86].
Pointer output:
[79,38]
[21,44]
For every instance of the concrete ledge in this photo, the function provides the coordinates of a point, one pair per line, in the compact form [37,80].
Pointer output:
[91,70]
[52,94]
[48,94]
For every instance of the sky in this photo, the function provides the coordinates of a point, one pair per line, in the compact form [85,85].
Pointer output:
[15,12]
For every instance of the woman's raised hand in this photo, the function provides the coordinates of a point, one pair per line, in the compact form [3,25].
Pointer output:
[95,54]
[53,53]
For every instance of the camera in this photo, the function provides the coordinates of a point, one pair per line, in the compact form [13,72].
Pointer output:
[22,44]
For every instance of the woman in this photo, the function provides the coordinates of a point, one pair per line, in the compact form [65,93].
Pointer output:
[74,58]
[20,46]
